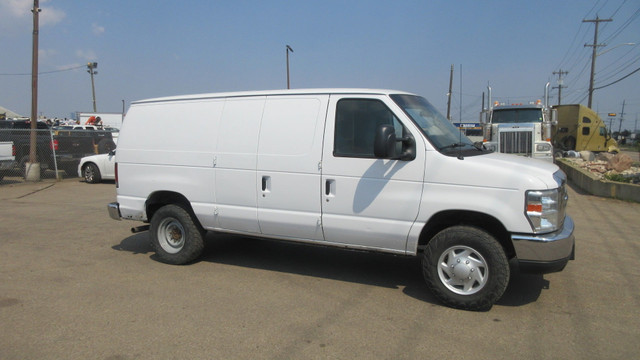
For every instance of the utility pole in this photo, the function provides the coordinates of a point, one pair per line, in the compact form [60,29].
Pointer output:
[461,93]
[560,84]
[91,67]
[621,118]
[449,94]
[288,49]
[32,169]
[595,46]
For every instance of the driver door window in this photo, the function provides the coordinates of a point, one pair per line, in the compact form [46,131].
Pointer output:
[356,124]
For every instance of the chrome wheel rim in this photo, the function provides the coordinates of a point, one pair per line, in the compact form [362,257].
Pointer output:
[463,270]
[88,173]
[171,235]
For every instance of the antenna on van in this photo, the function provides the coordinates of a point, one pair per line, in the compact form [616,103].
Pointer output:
[460,157]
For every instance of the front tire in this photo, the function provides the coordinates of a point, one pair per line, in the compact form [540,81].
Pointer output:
[176,238]
[91,173]
[466,268]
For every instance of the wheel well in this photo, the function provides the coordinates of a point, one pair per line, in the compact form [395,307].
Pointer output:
[161,198]
[446,219]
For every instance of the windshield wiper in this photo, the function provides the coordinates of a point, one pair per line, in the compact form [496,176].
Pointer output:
[453,146]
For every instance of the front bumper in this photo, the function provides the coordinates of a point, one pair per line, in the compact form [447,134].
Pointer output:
[545,253]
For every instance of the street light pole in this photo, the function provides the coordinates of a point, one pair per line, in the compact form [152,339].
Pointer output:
[288,49]
[91,67]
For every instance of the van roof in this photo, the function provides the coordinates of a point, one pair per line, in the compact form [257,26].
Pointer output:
[273,92]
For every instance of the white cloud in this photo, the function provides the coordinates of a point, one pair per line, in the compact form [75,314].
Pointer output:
[45,53]
[86,54]
[70,66]
[97,29]
[16,7]
[51,16]
[17,12]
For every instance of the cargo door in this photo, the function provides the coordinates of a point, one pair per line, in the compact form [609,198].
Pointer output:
[288,173]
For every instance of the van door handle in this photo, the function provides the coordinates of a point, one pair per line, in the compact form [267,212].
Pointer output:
[329,187]
[266,183]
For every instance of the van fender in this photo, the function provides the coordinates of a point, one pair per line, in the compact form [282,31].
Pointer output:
[158,199]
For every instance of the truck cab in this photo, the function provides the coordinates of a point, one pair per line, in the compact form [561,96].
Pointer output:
[580,128]
[520,129]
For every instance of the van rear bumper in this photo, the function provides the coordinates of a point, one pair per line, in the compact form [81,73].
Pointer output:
[545,253]
[114,210]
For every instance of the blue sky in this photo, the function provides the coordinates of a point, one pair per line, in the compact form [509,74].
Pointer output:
[160,48]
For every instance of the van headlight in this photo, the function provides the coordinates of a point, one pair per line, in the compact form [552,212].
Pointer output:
[545,209]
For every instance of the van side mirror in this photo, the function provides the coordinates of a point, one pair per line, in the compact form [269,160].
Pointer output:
[384,144]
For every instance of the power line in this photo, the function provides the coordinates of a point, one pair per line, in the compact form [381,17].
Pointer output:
[45,72]
[624,25]
[617,81]
[618,70]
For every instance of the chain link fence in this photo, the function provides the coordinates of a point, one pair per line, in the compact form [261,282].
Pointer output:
[15,151]
[58,149]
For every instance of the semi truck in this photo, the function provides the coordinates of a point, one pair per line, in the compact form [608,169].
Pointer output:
[521,129]
[580,128]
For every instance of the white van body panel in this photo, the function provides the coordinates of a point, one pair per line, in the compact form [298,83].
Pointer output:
[496,183]
[170,156]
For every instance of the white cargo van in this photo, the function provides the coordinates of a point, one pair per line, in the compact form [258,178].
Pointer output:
[373,170]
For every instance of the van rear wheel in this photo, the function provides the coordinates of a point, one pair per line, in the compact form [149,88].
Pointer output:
[175,236]
[466,268]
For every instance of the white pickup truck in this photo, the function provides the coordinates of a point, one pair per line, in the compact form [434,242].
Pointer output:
[7,157]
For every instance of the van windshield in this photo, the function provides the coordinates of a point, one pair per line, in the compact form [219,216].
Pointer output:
[441,132]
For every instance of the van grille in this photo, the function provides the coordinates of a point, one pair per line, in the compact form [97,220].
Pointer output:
[516,142]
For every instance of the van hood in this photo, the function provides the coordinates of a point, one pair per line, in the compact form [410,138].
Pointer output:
[494,170]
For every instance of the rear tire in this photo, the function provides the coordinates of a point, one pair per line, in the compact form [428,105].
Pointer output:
[466,268]
[569,143]
[177,239]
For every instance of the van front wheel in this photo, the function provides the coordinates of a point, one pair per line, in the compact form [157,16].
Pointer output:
[176,238]
[466,268]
